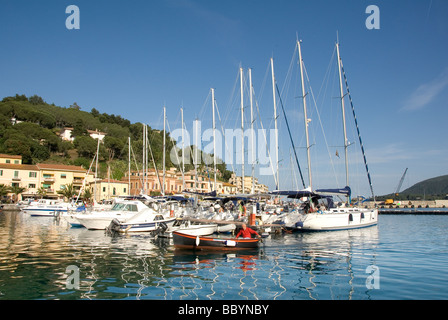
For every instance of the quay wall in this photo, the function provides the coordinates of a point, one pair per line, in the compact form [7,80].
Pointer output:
[410,204]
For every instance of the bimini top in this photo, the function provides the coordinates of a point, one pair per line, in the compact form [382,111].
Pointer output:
[320,193]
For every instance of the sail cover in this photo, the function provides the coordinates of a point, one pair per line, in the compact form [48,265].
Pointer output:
[347,191]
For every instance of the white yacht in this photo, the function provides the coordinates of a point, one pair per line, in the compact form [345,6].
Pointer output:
[100,220]
[46,207]
[144,221]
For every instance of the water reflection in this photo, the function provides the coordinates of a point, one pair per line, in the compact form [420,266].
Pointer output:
[35,252]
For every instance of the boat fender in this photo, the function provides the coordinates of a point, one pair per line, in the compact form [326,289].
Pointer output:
[320,211]
[299,224]
[197,241]
[230,243]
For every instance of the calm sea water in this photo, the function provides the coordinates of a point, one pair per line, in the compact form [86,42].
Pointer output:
[404,257]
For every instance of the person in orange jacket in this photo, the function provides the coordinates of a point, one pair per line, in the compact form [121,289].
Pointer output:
[246,232]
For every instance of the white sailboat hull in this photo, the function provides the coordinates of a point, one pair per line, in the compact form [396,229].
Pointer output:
[338,219]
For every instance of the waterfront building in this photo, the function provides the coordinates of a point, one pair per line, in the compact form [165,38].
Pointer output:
[41,177]
[107,189]
[248,183]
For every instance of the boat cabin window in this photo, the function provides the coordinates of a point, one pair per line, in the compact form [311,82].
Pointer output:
[131,207]
[158,217]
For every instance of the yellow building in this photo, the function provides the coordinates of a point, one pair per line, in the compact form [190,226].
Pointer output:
[47,177]
[108,188]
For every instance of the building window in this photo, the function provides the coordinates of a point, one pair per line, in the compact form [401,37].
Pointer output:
[8,161]
[16,161]
[63,176]
[33,174]
[124,190]
[16,174]
[104,189]
[31,186]
[1,172]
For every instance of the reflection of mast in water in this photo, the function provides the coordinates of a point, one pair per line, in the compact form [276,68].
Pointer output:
[278,281]
[352,238]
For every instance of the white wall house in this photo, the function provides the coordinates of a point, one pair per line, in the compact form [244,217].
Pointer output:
[66,134]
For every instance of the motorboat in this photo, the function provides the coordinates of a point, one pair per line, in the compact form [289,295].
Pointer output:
[46,207]
[144,221]
[186,241]
[100,220]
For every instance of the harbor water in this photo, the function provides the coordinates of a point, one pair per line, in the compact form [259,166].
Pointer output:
[403,257]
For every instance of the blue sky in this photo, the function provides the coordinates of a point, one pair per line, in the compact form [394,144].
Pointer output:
[131,58]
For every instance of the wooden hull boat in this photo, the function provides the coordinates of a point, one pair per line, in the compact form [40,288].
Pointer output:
[186,241]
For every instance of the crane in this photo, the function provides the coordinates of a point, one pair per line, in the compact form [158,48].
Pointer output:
[400,183]
[397,191]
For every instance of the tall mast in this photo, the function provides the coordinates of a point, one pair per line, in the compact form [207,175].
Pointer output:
[183,147]
[305,116]
[275,120]
[96,170]
[144,159]
[129,166]
[242,130]
[343,115]
[214,137]
[252,130]
[164,136]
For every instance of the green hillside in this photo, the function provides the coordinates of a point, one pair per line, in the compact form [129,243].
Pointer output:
[35,136]
[433,186]
[430,189]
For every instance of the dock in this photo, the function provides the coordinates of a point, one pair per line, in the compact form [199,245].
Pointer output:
[418,211]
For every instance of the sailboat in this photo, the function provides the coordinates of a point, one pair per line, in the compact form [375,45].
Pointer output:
[319,212]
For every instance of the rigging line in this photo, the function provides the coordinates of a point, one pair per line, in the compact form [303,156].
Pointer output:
[154,164]
[266,142]
[176,151]
[222,132]
[136,166]
[320,122]
[290,137]
[359,133]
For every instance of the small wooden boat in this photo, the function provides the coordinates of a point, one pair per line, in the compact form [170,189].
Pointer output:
[186,241]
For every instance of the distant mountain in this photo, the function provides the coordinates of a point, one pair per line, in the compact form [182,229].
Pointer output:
[433,186]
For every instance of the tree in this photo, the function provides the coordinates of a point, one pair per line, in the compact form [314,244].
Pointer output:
[68,191]
[87,195]
[86,146]
[35,100]
[4,190]
[75,106]
[79,129]
[17,190]
[41,192]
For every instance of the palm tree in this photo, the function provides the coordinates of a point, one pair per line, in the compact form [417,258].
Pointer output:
[87,196]
[68,192]
[42,192]
[4,190]
[17,190]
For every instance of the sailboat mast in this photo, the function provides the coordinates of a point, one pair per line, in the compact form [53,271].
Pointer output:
[164,146]
[275,121]
[252,130]
[214,138]
[183,146]
[305,116]
[242,130]
[144,159]
[343,115]
[96,171]
[129,166]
